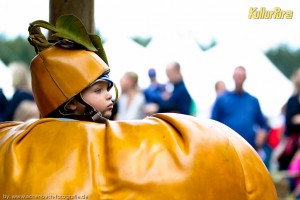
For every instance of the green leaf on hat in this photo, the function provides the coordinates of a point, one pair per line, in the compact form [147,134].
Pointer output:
[67,27]
[70,27]
[96,40]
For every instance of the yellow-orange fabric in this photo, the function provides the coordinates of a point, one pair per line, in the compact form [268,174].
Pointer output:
[59,74]
[165,156]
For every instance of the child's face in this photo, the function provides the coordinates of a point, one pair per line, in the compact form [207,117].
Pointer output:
[99,98]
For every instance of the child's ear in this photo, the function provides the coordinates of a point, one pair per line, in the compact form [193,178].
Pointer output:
[72,105]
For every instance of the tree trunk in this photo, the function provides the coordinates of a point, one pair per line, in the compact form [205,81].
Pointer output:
[83,9]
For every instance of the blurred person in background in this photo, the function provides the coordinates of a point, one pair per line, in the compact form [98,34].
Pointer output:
[220,87]
[177,101]
[153,93]
[289,141]
[241,111]
[132,99]
[22,87]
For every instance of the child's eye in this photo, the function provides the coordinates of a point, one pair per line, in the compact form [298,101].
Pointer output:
[98,90]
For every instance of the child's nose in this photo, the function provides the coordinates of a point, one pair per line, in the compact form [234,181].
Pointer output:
[108,95]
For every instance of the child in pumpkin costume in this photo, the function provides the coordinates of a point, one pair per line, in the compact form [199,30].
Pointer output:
[164,156]
[70,77]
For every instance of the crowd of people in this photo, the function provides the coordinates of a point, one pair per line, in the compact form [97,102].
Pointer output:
[235,108]
[137,103]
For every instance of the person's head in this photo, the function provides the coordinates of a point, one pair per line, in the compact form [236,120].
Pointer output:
[20,76]
[220,87]
[296,80]
[173,72]
[129,81]
[96,96]
[69,80]
[239,77]
[152,74]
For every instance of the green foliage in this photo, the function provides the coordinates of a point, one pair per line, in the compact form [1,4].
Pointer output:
[142,41]
[285,59]
[17,49]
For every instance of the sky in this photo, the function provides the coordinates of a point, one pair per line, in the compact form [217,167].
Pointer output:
[220,20]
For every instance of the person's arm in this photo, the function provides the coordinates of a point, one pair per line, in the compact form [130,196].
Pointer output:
[262,132]
[169,102]
[179,101]
[159,104]
[168,105]
[216,111]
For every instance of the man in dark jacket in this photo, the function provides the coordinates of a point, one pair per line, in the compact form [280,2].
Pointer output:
[178,100]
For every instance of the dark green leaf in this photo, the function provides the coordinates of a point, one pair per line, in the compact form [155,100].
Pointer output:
[70,27]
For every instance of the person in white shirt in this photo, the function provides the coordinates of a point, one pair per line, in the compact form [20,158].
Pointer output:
[132,99]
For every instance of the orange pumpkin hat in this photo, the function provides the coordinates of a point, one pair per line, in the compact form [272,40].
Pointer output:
[67,64]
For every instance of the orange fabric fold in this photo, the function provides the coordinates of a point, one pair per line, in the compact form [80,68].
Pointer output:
[165,156]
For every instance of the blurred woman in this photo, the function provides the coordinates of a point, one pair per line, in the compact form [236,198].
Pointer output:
[292,136]
[21,84]
[292,124]
[132,99]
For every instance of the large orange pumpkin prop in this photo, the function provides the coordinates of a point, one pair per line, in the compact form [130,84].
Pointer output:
[166,156]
